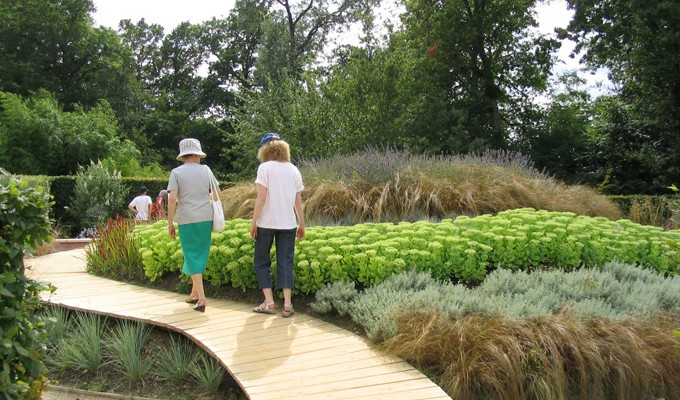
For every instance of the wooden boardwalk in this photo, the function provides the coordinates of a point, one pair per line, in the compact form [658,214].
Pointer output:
[270,357]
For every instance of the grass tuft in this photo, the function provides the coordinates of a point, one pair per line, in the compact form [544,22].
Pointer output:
[388,185]
[125,344]
[208,372]
[556,357]
[57,324]
[172,362]
[115,251]
[83,347]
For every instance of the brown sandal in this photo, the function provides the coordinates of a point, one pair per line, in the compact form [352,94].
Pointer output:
[288,310]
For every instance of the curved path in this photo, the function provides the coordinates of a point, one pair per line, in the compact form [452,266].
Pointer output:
[270,357]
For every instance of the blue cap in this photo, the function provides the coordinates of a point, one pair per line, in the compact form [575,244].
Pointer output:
[269,137]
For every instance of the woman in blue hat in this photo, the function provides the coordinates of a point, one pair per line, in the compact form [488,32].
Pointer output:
[279,202]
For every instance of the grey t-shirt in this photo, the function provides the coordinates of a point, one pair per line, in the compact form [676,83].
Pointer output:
[192,183]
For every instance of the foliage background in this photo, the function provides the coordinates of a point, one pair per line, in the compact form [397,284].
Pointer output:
[451,78]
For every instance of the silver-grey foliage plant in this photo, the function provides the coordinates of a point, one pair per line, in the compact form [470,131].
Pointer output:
[615,291]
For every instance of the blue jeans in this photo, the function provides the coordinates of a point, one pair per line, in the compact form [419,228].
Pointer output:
[285,249]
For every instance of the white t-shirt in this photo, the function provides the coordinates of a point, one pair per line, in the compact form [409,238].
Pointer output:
[192,183]
[283,181]
[142,205]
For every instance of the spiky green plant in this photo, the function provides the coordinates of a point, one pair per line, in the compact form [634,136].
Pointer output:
[115,252]
[172,362]
[125,344]
[83,347]
[57,324]
[208,373]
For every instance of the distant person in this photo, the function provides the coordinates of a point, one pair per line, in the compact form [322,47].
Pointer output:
[279,201]
[159,209]
[189,198]
[141,205]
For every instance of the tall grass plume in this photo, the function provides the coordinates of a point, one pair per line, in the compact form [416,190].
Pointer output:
[391,185]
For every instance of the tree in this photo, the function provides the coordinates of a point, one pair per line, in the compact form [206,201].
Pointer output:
[235,43]
[179,101]
[51,45]
[639,42]
[39,138]
[561,142]
[483,54]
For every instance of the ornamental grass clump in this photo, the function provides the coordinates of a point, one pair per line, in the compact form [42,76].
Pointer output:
[555,357]
[208,373]
[395,185]
[171,361]
[125,345]
[83,347]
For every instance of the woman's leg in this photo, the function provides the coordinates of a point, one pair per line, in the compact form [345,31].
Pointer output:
[263,262]
[197,281]
[285,250]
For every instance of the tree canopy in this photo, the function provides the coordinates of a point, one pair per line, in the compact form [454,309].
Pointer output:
[456,76]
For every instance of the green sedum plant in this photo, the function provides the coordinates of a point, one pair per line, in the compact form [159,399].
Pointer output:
[24,224]
[462,250]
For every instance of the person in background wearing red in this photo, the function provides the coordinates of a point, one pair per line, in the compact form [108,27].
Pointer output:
[159,209]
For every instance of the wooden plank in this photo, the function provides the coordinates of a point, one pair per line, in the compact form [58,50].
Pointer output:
[338,354]
[274,347]
[255,322]
[318,367]
[398,370]
[351,388]
[432,393]
[245,355]
[313,327]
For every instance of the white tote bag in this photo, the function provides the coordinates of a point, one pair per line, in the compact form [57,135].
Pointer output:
[218,212]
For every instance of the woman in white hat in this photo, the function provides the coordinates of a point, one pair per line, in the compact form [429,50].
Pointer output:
[189,203]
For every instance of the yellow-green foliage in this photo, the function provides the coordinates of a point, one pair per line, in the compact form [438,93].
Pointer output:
[461,249]
[397,186]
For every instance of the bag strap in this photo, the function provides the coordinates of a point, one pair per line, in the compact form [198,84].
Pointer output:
[212,184]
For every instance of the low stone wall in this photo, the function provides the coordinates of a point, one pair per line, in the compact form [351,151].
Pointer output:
[70,244]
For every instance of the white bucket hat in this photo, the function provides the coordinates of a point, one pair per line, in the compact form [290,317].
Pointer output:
[189,146]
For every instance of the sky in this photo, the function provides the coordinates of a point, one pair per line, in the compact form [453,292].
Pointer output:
[170,13]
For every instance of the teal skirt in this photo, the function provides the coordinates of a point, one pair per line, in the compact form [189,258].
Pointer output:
[195,241]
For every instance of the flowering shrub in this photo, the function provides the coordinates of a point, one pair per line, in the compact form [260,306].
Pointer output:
[464,249]
[98,195]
